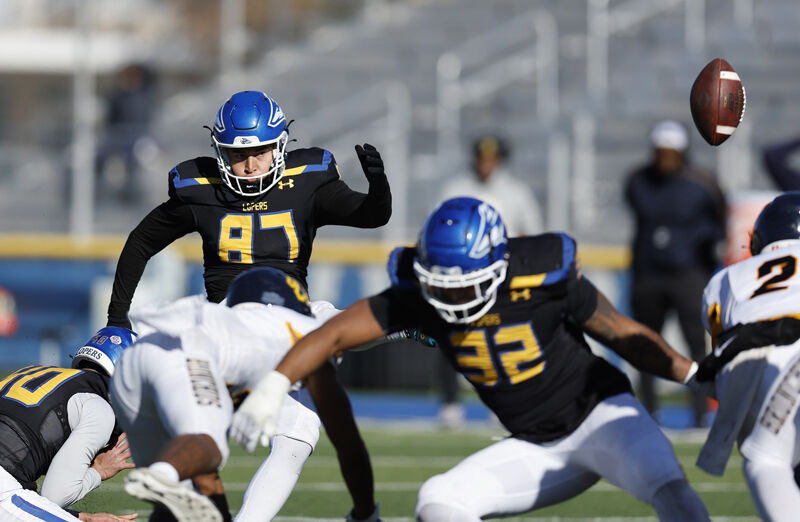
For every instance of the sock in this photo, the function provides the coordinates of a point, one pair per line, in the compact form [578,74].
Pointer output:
[221,502]
[166,470]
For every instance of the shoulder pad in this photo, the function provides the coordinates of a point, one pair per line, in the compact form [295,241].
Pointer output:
[193,172]
[540,260]
[401,267]
[314,159]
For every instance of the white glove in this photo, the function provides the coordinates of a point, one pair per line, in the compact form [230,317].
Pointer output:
[257,418]
[374,517]
[707,388]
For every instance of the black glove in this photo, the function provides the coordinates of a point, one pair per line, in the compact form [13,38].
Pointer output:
[371,162]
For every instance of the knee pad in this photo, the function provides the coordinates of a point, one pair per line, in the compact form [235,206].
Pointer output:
[298,422]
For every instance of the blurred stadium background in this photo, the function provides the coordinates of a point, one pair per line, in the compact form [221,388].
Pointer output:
[574,84]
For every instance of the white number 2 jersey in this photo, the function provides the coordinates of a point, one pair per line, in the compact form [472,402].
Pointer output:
[766,286]
[244,343]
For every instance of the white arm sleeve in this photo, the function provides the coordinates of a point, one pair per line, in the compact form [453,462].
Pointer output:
[70,476]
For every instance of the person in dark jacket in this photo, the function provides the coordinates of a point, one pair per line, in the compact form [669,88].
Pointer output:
[680,224]
[782,161]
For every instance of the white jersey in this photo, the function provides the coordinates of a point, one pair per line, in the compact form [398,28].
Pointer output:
[761,288]
[244,342]
[756,382]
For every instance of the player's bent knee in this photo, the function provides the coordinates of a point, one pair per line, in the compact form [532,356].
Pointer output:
[304,426]
[438,500]
[676,501]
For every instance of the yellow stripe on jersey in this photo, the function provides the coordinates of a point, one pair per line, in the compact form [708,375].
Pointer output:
[208,181]
[294,171]
[527,281]
[714,323]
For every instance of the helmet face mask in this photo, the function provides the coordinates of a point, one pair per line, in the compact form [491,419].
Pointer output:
[248,120]
[461,259]
[777,224]
[104,348]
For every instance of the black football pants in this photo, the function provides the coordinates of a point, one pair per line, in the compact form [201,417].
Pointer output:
[653,297]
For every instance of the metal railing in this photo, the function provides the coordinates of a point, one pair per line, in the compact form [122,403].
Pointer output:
[604,21]
[526,47]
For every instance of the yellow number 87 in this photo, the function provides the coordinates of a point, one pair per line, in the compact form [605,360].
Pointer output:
[236,239]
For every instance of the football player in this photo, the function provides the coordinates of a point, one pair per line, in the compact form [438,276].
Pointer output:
[169,392]
[510,315]
[257,204]
[254,204]
[58,422]
[750,309]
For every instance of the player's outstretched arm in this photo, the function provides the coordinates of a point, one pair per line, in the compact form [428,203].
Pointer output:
[257,417]
[159,228]
[355,326]
[336,413]
[636,343]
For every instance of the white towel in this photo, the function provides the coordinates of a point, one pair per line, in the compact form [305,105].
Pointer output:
[742,377]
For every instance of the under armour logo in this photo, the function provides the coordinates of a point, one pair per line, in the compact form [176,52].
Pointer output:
[288,183]
[521,294]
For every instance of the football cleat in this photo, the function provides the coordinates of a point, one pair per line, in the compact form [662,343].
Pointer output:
[185,504]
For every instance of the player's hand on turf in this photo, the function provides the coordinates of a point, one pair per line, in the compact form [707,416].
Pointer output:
[257,418]
[105,517]
[110,462]
[371,162]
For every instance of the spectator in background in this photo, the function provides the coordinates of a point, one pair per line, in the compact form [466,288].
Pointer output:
[491,182]
[782,161]
[8,314]
[680,224]
[517,204]
[126,135]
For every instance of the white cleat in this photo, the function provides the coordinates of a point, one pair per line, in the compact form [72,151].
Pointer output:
[185,504]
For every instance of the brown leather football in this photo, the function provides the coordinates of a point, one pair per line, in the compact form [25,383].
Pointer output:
[717,101]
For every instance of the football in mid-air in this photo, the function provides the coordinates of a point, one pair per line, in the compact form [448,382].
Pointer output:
[717,101]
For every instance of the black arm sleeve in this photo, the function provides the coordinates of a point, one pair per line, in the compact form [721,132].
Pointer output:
[338,204]
[163,225]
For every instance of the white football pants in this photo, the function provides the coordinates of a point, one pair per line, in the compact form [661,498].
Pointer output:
[158,394]
[771,448]
[23,505]
[618,441]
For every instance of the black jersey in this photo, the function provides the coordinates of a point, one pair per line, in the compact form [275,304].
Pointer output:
[33,416]
[275,229]
[527,356]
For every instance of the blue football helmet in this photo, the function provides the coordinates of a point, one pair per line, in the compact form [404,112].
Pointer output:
[778,221]
[104,348]
[461,259]
[269,286]
[250,119]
